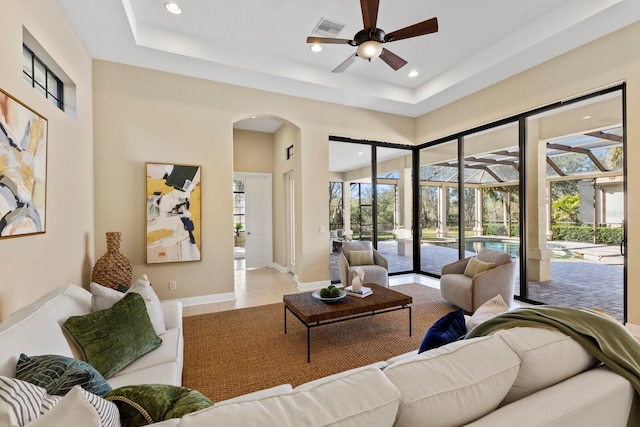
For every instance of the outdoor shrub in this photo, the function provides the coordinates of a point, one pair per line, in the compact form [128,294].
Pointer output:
[584,233]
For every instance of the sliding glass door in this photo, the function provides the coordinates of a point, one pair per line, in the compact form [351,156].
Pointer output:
[394,207]
[576,205]
[439,206]
[491,213]
[377,208]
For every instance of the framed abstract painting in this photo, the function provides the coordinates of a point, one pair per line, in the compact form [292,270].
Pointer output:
[23,169]
[173,212]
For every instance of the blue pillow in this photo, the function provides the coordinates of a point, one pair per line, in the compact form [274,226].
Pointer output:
[59,374]
[447,329]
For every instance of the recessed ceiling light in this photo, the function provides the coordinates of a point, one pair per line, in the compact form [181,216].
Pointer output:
[316,47]
[586,117]
[360,153]
[413,73]
[173,7]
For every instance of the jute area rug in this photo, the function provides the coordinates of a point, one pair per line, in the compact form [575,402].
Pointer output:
[234,352]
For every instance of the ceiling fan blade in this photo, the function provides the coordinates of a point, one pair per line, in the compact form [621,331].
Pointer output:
[340,68]
[392,60]
[369,13]
[328,40]
[420,29]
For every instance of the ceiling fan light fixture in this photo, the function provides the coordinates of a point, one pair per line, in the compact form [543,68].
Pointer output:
[369,49]
[316,47]
[413,73]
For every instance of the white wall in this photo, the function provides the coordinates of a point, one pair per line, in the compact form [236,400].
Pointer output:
[32,265]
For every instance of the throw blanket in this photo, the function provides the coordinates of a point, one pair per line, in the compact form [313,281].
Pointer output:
[600,335]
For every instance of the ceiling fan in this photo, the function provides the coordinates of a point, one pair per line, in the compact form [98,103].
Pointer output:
[370,39]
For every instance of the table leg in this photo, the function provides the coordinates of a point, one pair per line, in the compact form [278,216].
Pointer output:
[308,344]
[409,320]
[285,320]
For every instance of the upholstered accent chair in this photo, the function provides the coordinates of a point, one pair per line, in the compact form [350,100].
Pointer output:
[362,254]
[468,286]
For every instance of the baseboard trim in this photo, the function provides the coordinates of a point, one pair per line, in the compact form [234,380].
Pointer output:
[280,268]
[310,286]
[207,299]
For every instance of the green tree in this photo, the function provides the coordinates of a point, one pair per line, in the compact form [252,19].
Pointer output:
[567,209]
[335,205]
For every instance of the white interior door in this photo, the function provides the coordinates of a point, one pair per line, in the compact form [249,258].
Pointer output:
[258,239]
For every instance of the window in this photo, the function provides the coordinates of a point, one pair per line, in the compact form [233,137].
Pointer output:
[40,77]
[238,205]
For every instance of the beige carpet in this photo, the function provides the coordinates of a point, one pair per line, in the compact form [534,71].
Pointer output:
[235,352]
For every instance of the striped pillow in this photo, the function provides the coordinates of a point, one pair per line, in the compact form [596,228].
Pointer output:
[59,374]
[21,402]
[80,408]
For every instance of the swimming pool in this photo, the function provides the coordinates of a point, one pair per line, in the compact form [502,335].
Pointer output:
[475,244]
[511,246]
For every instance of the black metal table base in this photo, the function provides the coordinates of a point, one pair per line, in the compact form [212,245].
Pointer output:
[344,319]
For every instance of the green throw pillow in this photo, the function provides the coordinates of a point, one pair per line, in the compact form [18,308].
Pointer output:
[113,338]
[59,374]
[144,404]
[361,258]
[475,266]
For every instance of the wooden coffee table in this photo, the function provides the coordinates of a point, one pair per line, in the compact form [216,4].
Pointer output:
[313,312]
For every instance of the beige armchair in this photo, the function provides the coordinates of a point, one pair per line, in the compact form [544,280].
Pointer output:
[377,272]
[469,293]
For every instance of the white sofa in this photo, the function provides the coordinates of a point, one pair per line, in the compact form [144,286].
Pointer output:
[521,376]
[37,330]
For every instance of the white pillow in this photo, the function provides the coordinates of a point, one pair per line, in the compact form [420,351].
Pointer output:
[486,311]
[103,298]
[80,407]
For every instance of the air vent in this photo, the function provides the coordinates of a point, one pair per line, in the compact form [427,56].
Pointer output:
[328,28]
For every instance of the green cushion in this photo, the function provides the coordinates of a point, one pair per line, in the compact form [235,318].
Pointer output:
[361,258]
[113,338]
[475,266]
[144,404]
[59,374]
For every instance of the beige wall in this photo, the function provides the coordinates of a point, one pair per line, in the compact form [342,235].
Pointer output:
[252,151]
[612,59]
[164,117]
[32,265]
[141,115]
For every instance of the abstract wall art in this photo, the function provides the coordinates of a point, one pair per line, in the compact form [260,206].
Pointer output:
[23,169]
[173,198]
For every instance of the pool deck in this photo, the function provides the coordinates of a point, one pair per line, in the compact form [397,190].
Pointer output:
[583,275]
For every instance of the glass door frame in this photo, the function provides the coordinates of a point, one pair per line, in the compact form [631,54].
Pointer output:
[521,119]
[374,178]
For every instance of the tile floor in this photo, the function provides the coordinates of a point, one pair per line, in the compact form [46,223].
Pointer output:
[267,286]
[252,287]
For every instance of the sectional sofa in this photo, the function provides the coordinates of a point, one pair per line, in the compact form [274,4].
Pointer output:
[522,376]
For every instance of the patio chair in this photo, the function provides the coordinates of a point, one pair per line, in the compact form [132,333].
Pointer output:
[363,254]
[469,288]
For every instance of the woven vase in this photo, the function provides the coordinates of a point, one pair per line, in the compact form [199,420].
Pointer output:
[113,269]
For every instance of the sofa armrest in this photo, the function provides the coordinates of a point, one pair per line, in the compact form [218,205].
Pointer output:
[344,270]
[172,311]
[380,260]
[456,267]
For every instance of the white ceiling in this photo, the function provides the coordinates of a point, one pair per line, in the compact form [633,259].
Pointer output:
[262,43]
